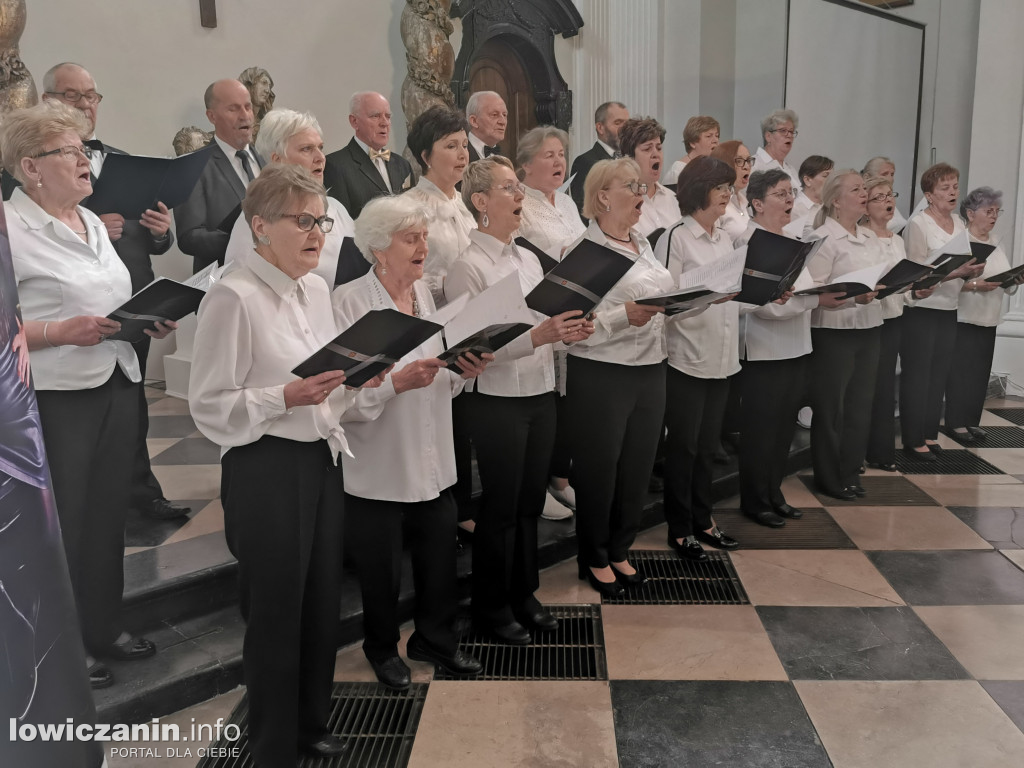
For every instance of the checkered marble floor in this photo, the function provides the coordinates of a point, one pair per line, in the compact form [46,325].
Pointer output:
[902,646]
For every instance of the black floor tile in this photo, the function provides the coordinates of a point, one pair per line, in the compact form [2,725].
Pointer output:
[815,643]
[190,450]
[672,580]
[952,577]
[171,426]
[996,437]
[952,461]
[815,530]
[1002,527]
[1013,415]
[713,723]
[1009,695]
[882,491]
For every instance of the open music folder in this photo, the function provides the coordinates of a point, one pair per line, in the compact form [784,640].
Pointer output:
[162,300]
[580,280]
[130,184]
[772,265]
[855,283]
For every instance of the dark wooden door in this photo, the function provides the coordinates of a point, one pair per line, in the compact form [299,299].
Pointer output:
[498,68]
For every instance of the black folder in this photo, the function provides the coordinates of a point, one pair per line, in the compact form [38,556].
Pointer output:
[490,339]
[130,184]
[351,264]
[378,339]
[684,300]
[1005,279]
[547,262]
[942,268]
[904,274]
[581,279]
[161,300]
[981,251]
[654,236]
[773,264]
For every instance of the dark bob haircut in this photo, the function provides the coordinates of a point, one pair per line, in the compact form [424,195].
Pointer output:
[812,166]
[637,131]
[699,177]
[432,126]
[763,182]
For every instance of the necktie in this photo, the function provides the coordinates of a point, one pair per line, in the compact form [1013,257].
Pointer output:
[383,154]
[495,150]
[246,165]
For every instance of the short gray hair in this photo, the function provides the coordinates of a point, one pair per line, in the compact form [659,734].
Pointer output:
[473,105]
[381,218]
[25,131]
[271,193]
[50,78]
[601,113]
[777,118]
[479,177]
[982,197]
[278,126]
[531,142]
[873,166]
[355,104]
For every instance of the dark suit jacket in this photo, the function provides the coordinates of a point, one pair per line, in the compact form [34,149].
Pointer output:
[581,167]
[473,154]
[353,179]
[218,192]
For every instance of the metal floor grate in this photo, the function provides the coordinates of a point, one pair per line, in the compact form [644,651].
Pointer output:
[882,491]
[996,437]
[574,651]
[1014,415]
[379,725]
[815,530]
[955,461]
[675,581]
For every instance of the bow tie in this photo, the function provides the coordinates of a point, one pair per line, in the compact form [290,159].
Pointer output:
[383,154]
[94,144]
[495,150]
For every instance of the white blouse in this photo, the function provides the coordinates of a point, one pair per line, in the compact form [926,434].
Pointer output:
[449,224]
[892,247]
[550,227]
[985,308]
[803,206]
[841,254]
[673,173]
[658,212]
[240,246]
[519,369]
[704,345]
[614,340]
[255,325]
[923,235]
[61,276]
[402,447]
[764,162]
[736,218]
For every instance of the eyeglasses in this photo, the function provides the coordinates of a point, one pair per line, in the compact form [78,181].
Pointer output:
[880,198]
[782,194]
[993,212]
[786,132]
[727,189]
[744,162]
[510,188]
[73,97]
[306,221]
[69,152]
[636,187]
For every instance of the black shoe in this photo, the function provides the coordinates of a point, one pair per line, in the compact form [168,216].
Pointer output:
[913,455]
[785,510]
[538,619]
[605,588]
[978,432]
[327,745]
[843,494]
[512,633]
[887,466]
[162,509]
[768,519]
[133,649]
[629,579]
[689,549]
[934,448]
[717,539]
[455,663]
[858,490]
[393,673]
[100,676]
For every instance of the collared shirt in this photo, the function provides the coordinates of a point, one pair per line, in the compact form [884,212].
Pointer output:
[255,325]
[898,221]
[607,148]
[240,246]
[614,340]
[803,206]
[922,236]
[402,445]
[236,161]
[892,248]
[704,345]
[478,144]
[96,161]
[841,254]
[985,308]
[658,212]
[736,219]
[378,163]
[448,227]
[550,227]
[519,369]
[765,162]
[673,173]
[61,276]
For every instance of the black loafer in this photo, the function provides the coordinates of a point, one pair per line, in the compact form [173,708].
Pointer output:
[785,510]
[537,619]
[629,579]
[717,539]
[456,663]
[100,676]
[512,633]
[327,745]
[162,509]
[913,455]
[962,435]
[606,588]
[688,549]
[133,649]
[858,490]
[978,432]
[393,673]
[768,519]
[843,494]
[886,466]
[934,448]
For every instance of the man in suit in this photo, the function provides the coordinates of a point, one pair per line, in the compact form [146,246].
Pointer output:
[488,119]
[136,242]
[365,168]
[233,164]
[608,119]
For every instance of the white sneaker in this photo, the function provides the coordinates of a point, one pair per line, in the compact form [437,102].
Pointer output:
[803,417]
[566,499]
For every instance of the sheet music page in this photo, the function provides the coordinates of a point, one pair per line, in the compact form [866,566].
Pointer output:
[724,275]
[503,302]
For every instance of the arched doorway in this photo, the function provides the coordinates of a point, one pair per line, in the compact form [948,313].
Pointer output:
[497,67]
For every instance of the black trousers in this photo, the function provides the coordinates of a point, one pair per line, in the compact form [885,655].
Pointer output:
[772,393]
[615,416]
[90,437]
[561,454]
[926,352]
[283,521]
[882,437]
[462,491]
[967,382]
[844,365]
[514,437]
[145,487]
[375,528]
[693,414]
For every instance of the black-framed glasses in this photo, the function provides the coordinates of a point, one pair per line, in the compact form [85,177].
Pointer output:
[881,198]
[787,132]
[741,162]
[510,188]
[636,187]
[69,152]
[73,97]
[306,221]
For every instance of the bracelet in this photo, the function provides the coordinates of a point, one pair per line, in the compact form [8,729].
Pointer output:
[46,327]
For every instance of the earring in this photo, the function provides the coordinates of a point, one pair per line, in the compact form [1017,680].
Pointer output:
[264,239]
[607,209]
[484,221]
[39,182]
[383,267]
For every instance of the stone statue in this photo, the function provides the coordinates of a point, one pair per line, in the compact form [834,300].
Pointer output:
[261,91]
[17,89]
[189,139]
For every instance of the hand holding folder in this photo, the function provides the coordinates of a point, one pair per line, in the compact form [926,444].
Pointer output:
[773,264]
[852,284]
[161,301]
